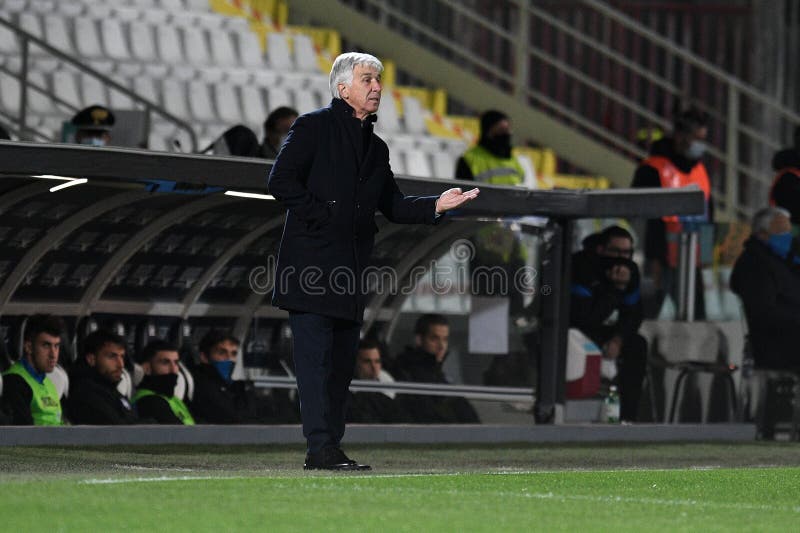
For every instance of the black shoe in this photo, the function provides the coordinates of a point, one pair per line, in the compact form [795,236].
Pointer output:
[332,459]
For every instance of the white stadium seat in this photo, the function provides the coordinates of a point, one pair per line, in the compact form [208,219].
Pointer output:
[57,33]
[278,97]
[253,104]
[146,88]
[305,56]
[60,379]
[8,40]
[222,48]
[114,40]
[196,46]
[278,55]
[444,165]
[168,44]
[118,100]
[15,6]
[93,91]
[9,94]
[171,5]
[388,119]
[66,88]
[87,39]
[413,115]
[305,101]
[198,5]
[141,39]
[418,164]
[200,104]
[174,98]
[39,103]
[249,49]
[227,103]
[31,23]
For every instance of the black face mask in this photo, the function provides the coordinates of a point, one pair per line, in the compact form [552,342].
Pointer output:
[499,145]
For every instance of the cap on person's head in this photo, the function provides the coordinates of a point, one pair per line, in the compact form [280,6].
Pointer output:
[94,118]
[490,118]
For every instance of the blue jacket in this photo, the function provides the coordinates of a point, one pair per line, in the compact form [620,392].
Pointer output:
[331,175]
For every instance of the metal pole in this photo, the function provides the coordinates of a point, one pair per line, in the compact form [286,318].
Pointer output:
[691,276]
[523,60]
[23,93]
[554,291]
[732,153]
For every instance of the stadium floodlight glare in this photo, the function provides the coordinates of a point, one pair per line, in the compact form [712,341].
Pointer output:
[68,182]
[250,195]
[76,181]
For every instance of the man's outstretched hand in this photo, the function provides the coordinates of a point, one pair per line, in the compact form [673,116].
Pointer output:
[452,198]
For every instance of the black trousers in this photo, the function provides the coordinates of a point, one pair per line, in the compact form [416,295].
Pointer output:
[631,368]
[324,359]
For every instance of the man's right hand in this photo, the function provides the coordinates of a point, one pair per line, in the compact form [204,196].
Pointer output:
[620,276]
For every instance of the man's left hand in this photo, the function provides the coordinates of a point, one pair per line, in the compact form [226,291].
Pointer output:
[453,198]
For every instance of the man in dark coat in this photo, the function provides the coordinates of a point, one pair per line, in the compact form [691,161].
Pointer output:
[767,279]
[332,174]
[423,363]
[93,396]
[368,407]
[606,306]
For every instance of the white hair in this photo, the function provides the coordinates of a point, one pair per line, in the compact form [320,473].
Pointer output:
[764,217]
[342,69]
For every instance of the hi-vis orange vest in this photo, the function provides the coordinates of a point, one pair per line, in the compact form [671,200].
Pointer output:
[791,170]
[672,178]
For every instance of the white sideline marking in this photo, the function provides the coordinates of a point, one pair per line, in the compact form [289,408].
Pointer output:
[115,481]
[139,467]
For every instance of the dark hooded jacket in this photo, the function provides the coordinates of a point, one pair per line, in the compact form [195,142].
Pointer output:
[594,299]
[94,400]
[769,287]
[415,364]
[331,175]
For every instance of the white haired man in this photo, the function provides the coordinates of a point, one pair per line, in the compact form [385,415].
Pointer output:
[331,174]
[766,277]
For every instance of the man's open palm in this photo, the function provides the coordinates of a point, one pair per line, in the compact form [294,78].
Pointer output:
[452,198]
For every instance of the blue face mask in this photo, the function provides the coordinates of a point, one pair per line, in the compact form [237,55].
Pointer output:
[225,369]
[780,243]
[696,150]
[93,141]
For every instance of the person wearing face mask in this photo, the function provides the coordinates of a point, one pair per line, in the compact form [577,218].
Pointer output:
[155,398]
[491,161]
[605,305]
[674,162]
[93,126]
[276,128]
[766,277]
[218,399]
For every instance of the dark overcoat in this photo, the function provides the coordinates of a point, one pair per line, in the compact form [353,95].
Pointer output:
[769,287]
[332,175]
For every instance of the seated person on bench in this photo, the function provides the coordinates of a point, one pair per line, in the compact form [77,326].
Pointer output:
[606,306]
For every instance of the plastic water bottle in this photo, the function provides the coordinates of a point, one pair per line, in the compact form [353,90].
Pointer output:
[611,406]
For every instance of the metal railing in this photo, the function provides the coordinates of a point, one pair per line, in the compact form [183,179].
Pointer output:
[20,126]
[471,392]
[582,77]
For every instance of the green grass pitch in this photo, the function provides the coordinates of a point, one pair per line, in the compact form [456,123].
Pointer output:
[633,487]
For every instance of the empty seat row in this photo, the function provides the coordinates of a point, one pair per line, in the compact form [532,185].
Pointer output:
[89,6]
[141,41]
